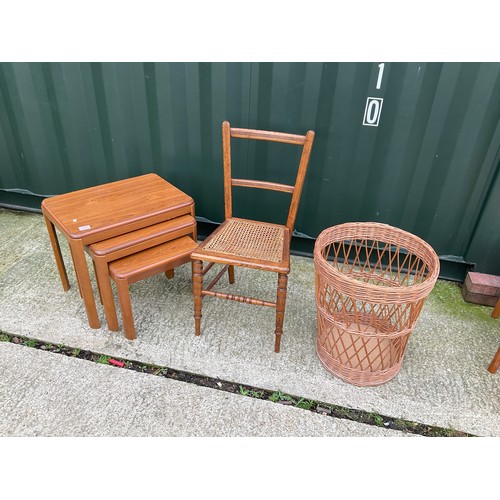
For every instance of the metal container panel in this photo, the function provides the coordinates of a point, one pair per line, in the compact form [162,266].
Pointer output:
[430,166]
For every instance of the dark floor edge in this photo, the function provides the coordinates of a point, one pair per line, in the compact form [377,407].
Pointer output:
[312,405]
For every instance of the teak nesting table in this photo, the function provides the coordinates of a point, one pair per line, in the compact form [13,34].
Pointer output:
[101,212]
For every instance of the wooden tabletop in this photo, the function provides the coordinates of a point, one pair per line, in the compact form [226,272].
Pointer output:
[87,212]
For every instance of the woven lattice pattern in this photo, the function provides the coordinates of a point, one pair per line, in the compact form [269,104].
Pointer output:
[243,238]
[371,284]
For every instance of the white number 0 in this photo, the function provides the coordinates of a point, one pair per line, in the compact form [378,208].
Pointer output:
[372,112]
[373,109]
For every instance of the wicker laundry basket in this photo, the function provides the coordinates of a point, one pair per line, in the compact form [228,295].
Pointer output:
[371,283]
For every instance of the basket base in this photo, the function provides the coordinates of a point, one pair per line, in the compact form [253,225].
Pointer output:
[360,373]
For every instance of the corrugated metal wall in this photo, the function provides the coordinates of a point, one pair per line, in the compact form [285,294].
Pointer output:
[430,167]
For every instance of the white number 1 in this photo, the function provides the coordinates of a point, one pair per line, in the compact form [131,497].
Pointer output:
[380,75]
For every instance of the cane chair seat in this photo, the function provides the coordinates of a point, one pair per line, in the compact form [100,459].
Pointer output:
[249,243]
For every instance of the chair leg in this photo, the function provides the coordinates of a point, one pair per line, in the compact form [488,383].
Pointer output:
[126,308]
[230,272]
[280,309]
[495,362]
[169,273]
[197,268]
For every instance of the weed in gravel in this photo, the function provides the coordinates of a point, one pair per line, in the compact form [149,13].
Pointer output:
[257,394]
[305,404]
[275,396]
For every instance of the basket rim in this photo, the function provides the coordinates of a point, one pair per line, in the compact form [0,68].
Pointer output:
[428,255]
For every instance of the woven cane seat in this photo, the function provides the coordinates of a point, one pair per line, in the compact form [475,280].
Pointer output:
[249,239]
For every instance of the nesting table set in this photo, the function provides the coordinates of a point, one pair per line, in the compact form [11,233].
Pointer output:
[132,229]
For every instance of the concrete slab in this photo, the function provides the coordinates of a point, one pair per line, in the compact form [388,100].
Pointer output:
[443,380]
[46,394]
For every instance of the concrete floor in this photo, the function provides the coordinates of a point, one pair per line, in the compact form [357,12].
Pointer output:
[443,380]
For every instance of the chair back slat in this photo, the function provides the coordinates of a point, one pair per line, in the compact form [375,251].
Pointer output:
[273,186]
[266,135]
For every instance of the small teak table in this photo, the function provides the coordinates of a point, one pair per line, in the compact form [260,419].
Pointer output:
[101,212]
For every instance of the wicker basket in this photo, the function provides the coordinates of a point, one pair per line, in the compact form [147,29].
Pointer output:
[371,283]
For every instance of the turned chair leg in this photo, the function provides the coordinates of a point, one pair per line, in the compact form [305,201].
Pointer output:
[280,309]
[197,268]
[230,272]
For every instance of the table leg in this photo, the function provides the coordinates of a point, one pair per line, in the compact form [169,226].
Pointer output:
[56,249]
[126,308]
[195,229]
[82,273]
[76,275]
[108,301]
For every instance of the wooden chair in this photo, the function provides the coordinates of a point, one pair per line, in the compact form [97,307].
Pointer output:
[249,243]
[495,362]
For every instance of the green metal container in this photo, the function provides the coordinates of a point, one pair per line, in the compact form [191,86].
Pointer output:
[414,145]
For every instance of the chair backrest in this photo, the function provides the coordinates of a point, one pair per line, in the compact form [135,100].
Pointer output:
[305,141]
